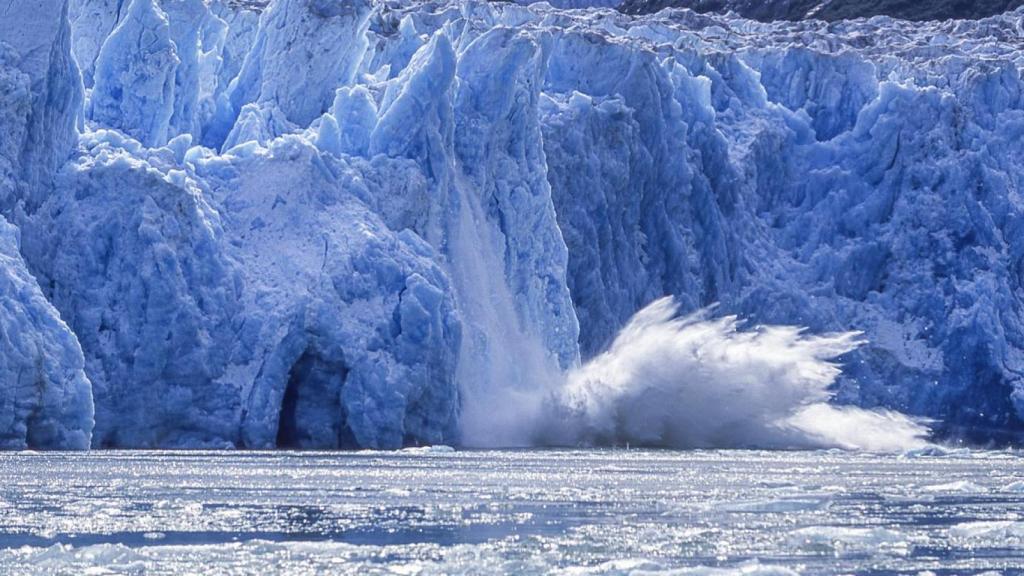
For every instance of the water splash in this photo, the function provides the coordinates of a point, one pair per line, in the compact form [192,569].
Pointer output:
[700,382]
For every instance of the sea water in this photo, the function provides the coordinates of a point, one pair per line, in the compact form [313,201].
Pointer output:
[439,511]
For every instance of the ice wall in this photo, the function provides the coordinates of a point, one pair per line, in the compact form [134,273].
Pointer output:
[338,224]
[45,398]
[40,96]
[337,307]
[498,149]
[207,298]
[92,21]
[303,51]
[130,254]
[768,10]
[146,81]
[641,184]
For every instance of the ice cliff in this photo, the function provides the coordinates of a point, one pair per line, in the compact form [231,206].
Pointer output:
[46,399]
[334,223]
[829,10]
[45,396]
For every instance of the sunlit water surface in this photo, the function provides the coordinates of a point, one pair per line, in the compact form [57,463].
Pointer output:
[484,512]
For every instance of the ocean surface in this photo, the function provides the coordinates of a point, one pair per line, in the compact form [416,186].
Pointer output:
[437,511]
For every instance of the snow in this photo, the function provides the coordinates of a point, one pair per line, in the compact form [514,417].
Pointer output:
[328,224]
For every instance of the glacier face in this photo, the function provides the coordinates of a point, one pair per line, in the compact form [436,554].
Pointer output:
[46,400]
[326,224]
[41,94]
[768,10]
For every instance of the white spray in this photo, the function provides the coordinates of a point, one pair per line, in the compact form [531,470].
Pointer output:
[697,382]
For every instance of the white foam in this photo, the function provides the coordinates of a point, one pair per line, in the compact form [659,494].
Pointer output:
[699,382]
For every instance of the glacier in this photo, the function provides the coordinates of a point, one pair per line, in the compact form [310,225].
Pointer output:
[46,400]
[345,223]
[768,10]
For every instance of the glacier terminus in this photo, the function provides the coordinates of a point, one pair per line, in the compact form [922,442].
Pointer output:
[376,224]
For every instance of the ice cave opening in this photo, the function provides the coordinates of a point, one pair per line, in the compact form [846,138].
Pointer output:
[312,414]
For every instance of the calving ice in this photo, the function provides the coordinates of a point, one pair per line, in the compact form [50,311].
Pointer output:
[327,224]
